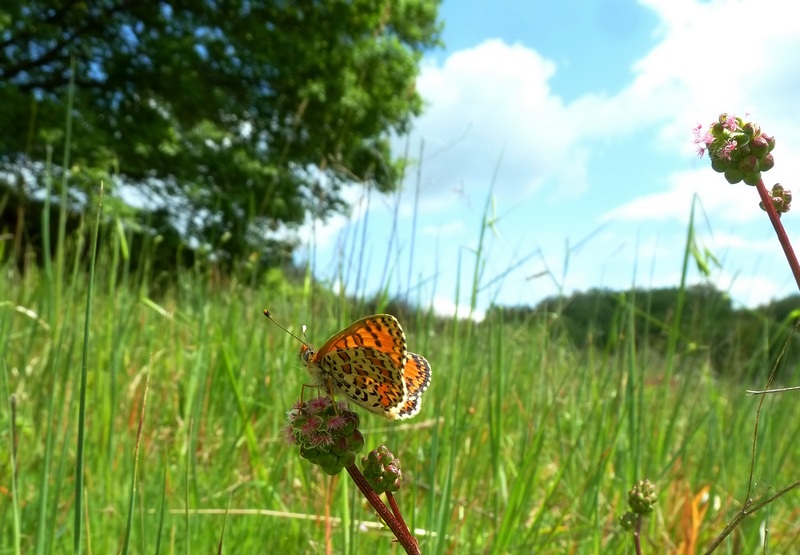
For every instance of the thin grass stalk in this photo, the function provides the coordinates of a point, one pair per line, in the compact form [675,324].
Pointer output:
[511,521]
[189,451]
[392,245]
[137,444]
[247,427]
[79,459]
[44,484]
[162,510]
[634,393]
[64,413]
[65,165]
[361,286]
[415,211]
[418,314]
[224,524]
[441,521]
[48,253]
[496,377]
[116,317]
[348,527]
[672,339]
[13,459]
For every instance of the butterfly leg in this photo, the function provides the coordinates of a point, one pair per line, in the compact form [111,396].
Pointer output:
[328,386]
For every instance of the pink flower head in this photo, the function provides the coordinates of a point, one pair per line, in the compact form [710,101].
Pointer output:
[730,123]
[311,426]
[321,439]
[725,152]
[701,138]
[318,404]
[336,423]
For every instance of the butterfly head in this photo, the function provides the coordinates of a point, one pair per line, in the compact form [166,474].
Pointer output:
[306,354]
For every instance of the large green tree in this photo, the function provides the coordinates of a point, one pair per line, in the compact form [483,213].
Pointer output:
[229,118]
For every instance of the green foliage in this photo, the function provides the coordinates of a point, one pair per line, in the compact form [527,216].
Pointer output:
[733,340]
[229,119]
[524,442]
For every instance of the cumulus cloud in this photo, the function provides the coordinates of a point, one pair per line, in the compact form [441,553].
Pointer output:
[490,109]
[445,307]
[494,125]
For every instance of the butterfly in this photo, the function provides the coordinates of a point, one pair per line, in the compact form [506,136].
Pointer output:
[368,363]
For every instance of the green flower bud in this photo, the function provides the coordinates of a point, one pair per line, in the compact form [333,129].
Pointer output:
[770,140]
[749,164]
[642,497]
[767,163]
[781,199]
[752,178]
[751,128]
[719,165]
[718,130]
[759,147]
[733,175]
[628,520]
[382,470]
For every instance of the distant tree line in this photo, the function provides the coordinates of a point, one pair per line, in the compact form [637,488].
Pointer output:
[737,341]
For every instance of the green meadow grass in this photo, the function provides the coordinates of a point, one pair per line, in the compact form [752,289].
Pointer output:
[524,443]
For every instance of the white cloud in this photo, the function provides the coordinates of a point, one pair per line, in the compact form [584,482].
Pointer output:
[724,55]
[445,307]
[750,290]
[727,240]
[719,200]
[493,123]
[490,108]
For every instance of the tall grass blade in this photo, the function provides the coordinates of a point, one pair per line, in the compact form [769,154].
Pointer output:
[674,335]
[65,165]
[132,493]
[189,451]
[79,459]
[13,461]
[162,510]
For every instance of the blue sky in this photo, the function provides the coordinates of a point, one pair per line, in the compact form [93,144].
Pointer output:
[572,122]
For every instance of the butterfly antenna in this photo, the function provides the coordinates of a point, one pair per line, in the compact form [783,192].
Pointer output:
[268,315]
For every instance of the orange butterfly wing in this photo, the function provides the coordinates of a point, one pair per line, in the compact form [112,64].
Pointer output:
[365,362]
[417,375]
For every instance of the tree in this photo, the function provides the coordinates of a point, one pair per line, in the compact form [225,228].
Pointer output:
[227,118]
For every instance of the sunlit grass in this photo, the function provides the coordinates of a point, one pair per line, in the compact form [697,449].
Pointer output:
[524,443]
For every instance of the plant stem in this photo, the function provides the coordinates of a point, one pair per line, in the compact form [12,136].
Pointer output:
[399,529]
[396,510]
[779,230]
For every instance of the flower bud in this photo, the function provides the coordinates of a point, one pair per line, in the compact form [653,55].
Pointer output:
[733,175]
[642,497]
[382,470]
[759,146]
[749,164]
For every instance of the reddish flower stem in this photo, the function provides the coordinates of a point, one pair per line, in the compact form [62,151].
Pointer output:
[637,535]
[396,510]
[398,528]
[779,230]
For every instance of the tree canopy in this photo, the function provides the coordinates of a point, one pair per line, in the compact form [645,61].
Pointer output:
[225,118]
